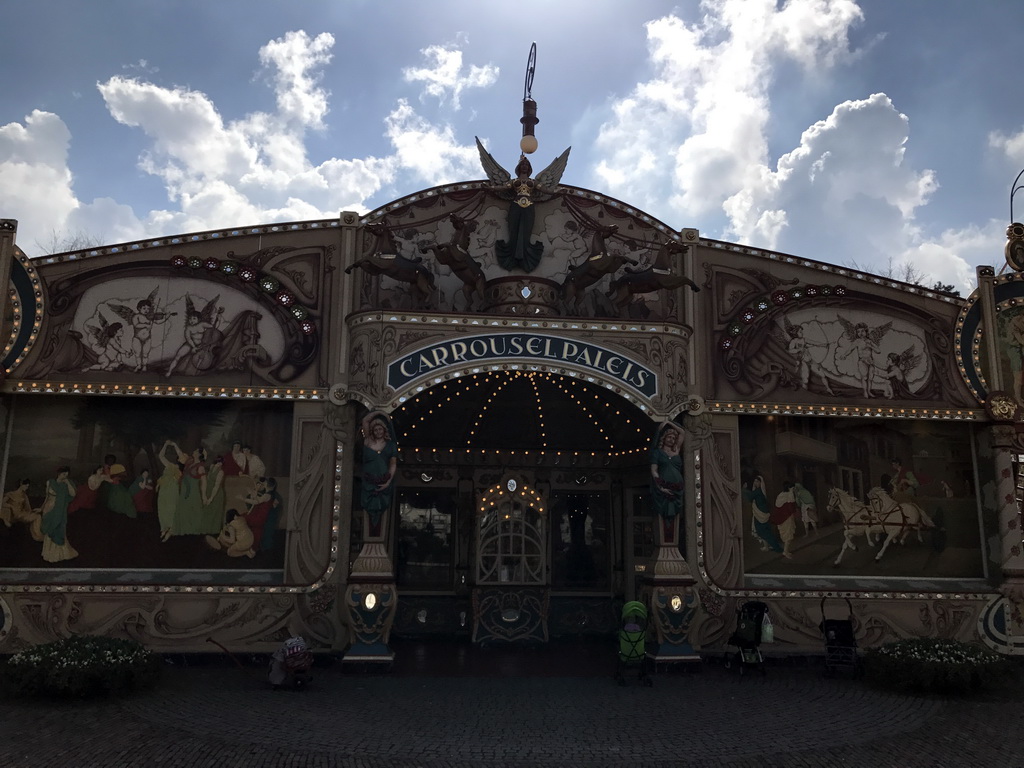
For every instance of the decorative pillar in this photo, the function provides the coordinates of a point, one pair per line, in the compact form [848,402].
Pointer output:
[668,585]
[668,590]
[371,598]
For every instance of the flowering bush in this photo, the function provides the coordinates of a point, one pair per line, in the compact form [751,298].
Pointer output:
[934,665]
[80,667]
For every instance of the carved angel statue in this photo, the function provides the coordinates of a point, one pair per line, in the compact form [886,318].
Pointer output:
[896,368]
[146,314]
[865,342]
[522,192]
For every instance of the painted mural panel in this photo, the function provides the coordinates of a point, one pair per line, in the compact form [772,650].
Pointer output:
[216,328]
[127,490]
[834,344]
[860,497]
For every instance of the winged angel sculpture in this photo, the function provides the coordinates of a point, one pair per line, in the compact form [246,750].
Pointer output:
[522,192]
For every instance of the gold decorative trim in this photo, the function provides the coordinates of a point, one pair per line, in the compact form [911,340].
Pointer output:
[445,320]
[190,238]
[879,411]
[163,390]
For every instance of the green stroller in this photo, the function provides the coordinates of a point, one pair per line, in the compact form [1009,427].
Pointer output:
[632,636]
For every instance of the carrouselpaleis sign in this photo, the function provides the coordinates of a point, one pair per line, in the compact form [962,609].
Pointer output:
[529,347]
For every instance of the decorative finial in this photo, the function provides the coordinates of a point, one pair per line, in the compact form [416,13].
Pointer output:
[528,144]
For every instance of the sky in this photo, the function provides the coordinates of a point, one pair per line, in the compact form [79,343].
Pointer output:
[875,134]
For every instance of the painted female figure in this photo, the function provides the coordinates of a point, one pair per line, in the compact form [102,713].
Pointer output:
[167,489]
[88,494]
[380,461]
[16,508]
[667,471]
[119,498]
[143,493]
[760,526]
[54,511]
[212,487]
[190,517]
[263,513]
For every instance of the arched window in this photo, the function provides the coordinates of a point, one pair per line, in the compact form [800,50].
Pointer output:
[511,535]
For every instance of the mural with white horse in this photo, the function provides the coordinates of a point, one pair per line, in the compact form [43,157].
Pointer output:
[837,498]
[881,519]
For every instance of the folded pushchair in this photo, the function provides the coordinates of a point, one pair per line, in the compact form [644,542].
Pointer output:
[840,643]
[751,621]
[632,637]
[291,664]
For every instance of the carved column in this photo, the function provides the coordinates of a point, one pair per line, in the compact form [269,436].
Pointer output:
[371,597]
[669,592]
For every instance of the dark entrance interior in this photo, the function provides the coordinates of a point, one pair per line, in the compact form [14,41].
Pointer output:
[552,464]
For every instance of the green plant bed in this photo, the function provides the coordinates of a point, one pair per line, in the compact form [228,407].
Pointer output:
[934,665]
[80,667]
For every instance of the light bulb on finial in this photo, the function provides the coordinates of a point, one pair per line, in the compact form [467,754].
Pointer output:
[528,144]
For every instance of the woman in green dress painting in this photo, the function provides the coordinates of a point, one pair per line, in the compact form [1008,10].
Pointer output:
[54,525]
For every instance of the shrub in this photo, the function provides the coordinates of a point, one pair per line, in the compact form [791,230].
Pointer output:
[934,665]
[81,667]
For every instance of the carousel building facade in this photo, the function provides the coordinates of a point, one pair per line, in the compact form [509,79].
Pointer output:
[493,412]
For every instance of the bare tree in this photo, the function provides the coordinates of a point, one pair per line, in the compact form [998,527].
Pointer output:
[907,272]
[61,241]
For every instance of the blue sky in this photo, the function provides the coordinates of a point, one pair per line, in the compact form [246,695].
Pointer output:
[879,133]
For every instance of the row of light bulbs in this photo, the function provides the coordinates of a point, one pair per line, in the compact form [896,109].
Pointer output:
[463,385]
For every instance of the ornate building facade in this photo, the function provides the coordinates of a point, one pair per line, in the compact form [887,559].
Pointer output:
[494,411]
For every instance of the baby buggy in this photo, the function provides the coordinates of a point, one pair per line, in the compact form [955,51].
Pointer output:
[632,636]
[752,626]
[290,665]
[840,643]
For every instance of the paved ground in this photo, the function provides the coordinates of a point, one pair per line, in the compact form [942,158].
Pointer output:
[223,716]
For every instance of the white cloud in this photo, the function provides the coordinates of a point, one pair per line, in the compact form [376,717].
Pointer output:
[220,173]
[695,131]
[691,144]
[848,176]
[294,60]
[254,169]
[443,75]
[430,152]
[35,183]
[1012,146]
[953,257]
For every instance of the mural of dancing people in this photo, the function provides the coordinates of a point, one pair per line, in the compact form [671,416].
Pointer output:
[172,488]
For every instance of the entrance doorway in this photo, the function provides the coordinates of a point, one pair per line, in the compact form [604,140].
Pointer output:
[515,493]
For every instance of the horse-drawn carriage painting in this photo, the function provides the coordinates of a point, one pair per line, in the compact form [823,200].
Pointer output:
[869,497]
[99,487]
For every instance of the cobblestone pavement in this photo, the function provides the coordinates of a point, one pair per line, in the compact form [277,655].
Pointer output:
[221,716]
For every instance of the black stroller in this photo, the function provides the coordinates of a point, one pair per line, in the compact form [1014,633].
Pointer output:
[840,643]
[632,637]
[751,621]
